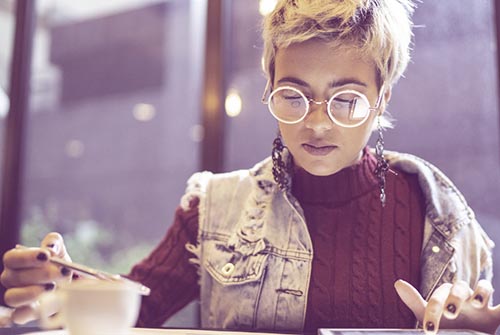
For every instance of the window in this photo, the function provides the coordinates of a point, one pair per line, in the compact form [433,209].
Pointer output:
[112,131]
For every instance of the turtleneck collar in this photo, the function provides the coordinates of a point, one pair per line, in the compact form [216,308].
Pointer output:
[341,187]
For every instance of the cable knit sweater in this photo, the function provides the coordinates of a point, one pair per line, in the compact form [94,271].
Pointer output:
[360,249]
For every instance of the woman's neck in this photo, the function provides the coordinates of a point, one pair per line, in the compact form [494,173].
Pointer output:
[340,187]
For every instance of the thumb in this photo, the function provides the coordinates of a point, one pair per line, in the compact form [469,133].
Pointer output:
[55,243]
[411,297]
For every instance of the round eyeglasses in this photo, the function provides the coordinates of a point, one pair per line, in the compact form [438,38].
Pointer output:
[347,108]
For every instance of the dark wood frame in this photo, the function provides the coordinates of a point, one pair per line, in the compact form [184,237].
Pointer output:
[10,208]
[496,20]
[212,150]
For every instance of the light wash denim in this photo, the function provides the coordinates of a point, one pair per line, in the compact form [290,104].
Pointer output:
[254,250]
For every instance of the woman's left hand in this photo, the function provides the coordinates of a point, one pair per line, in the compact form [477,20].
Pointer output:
[462,307]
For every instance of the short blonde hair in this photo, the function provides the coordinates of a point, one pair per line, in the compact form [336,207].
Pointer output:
[381,29]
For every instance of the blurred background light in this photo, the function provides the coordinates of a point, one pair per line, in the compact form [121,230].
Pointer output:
[4,103]
[144,112]
[233,103]
[74,148]
[266,6]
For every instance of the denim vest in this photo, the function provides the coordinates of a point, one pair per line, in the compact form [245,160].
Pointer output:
[255,254]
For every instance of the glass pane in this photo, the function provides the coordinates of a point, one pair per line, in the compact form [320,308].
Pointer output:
[112,129]
[7,22]
[244,77]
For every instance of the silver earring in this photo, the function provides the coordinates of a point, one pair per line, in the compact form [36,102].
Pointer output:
[382,164]
[280,167]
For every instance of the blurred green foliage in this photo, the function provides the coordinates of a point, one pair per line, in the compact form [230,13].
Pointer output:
[89,242]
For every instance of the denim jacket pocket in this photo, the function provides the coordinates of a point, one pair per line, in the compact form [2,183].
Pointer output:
[229,267]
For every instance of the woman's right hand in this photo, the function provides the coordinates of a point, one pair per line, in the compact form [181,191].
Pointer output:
[28,273]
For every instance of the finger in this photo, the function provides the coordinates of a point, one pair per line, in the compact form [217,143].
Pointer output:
[25,314]
[411,297]
[33,276]
[434,309]
[495,311]
[482,294]
[55,242]
[17,297]
[459,293]
[22,258]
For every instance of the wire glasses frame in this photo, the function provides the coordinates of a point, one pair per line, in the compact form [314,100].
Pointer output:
[350,105]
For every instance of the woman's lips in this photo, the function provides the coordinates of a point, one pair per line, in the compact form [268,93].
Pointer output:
[318,150]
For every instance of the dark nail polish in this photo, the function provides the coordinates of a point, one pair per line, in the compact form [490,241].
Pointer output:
[429,326]
[42,257]
[51,245]
[479,298]
[50,286]
[451,308]
[65,271]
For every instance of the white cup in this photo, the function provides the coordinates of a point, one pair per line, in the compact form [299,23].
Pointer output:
[89,306]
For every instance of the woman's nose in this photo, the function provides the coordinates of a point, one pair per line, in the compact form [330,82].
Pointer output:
[318,119]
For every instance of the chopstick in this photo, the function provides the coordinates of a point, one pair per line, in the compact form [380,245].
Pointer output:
[91,272]
[85,270]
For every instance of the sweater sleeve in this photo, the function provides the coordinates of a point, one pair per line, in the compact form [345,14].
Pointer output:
[173,280]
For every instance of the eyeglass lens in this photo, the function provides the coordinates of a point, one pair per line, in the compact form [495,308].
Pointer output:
[347,108]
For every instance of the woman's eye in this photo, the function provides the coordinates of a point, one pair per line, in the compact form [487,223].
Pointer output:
[341,103]
[291,97]
[345,98]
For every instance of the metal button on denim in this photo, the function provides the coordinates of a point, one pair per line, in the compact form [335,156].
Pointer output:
[227,269]
[436,249]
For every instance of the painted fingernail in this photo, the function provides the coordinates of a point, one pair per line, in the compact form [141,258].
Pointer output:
[42,257]
[51,245]
[429,326]
[451,308]
[65,271]
[479,298]
[50,286]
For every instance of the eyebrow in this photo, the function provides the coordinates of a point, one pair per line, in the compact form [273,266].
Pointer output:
[332,84]
[346,81]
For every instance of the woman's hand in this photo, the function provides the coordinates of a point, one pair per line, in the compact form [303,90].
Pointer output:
[28,273]
[461,306]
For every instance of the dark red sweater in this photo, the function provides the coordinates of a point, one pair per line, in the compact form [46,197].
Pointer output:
[360,250]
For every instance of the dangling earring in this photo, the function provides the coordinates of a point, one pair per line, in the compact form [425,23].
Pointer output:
[280,167]
[382,164]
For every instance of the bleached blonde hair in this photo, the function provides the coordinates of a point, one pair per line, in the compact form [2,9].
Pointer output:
[380,29]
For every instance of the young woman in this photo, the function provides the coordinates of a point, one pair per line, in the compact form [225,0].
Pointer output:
[325,232]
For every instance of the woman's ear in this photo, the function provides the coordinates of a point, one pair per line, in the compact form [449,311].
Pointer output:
[387,94]
[385,100]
